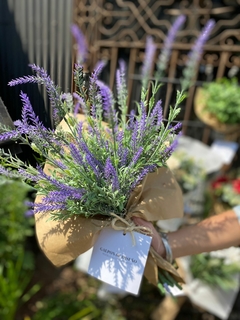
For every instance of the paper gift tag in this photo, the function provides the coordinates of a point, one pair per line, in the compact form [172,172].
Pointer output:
[118,260]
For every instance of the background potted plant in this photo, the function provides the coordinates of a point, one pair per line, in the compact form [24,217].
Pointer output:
[217,104]
[225,191]
[191,176]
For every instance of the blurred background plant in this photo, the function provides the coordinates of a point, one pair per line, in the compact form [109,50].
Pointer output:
[215,270]
[71,306]
[191,176]
[16,262]
[188,172]
[223,100]
[226,188]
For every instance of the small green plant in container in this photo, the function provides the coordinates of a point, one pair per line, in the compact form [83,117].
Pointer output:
[217,104]
[223,100]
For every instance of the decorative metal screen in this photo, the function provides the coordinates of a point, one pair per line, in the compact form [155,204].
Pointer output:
[118,29]
[34,31]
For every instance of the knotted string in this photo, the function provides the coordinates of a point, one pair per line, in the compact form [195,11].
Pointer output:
[128,226]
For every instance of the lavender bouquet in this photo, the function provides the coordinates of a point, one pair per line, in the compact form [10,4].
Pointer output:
[96,164]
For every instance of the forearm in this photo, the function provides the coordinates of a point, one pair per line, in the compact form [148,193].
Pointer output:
[217,232]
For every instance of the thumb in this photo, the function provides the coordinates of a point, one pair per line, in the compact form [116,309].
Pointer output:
[157,243]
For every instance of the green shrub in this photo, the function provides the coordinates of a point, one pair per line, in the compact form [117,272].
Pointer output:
[14,280]
[214,271]
[67,306]
[15,260]
[15,227]
[223,100]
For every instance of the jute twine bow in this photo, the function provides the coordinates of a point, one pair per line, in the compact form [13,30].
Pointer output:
[129,226]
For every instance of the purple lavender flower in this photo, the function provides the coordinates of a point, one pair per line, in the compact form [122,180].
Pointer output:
[62,195]
[7,173]
[142,122]
[119,140]
[22,80]
[92,162]
[28,112]
[167,46]
[42,78]
[54,182]
[59,164]
[30,206]
[84,150]
[121,82]
[124,157]
[29,213]
[195,55]
[97,70]
[177,127]
[80,104]
[76,155]
[169,150]
[10,135]
[94,96]
[196,52]
[107,100]
[142,174]
[110,174]
[148,60]
[28,176]
[42,207]
[157,113]
[136,157]
[138,128]
[81,44]
[134,137]
[93,110]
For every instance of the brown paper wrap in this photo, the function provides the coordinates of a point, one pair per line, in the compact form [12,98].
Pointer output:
[157,197]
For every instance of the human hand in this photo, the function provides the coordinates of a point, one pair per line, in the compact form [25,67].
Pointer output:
[157,243]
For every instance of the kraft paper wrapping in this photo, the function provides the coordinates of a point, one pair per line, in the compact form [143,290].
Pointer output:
[157,197]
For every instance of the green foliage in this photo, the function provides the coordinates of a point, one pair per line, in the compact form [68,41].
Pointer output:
[223,100]
[188,172]
[14,279]
[214,271]
[14,226]
[15,261]
[67,306]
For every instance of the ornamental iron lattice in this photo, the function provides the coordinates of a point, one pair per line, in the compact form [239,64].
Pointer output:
[118,29]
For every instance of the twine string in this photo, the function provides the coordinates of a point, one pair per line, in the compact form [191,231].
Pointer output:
[128,226]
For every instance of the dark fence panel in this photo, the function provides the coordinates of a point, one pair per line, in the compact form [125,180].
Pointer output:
[34,31]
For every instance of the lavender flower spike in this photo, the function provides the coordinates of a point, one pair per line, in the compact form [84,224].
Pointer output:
[110,174]
[197,49]
[121,83]
[97,70]
[80,104]
[148,60]
[107,99]
[195,55]
[165,54]
[81,43]
[28,112]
